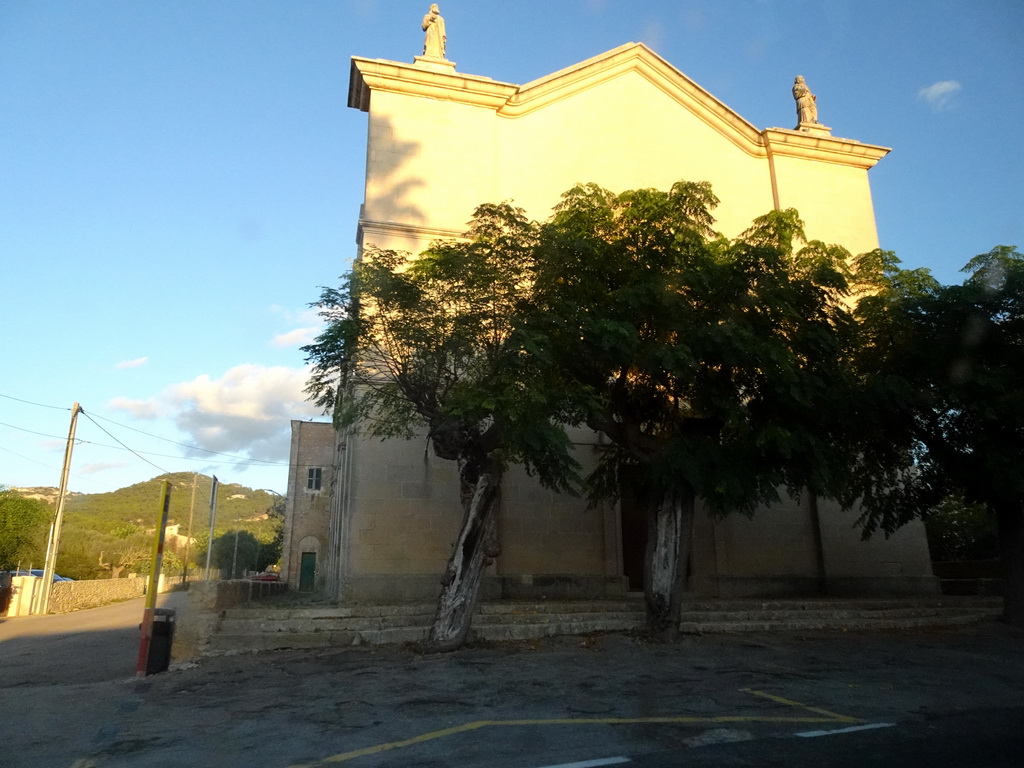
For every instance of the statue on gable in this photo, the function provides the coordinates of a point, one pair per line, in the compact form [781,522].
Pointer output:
[806,102]
[433,25]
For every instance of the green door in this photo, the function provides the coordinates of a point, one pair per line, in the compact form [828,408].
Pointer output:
[307,571]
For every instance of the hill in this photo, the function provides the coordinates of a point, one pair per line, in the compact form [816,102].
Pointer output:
[139,504]
[110,532]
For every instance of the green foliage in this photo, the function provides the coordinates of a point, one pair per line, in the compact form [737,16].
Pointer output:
[111,534]
[24,523]
[237,552]
[947,383]
[716,368]
[425,346]
[126,531]
[960,531]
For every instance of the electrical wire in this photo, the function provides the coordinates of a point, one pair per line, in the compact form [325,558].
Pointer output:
[196,447]
[40,405]
[32,432]
[245,460]
[137,455]
[238,460]
[26,458]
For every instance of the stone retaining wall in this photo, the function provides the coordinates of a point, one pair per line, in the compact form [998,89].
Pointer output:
[207,601]
[68,596]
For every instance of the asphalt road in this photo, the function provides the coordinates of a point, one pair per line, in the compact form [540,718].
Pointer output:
[83,647]
[949,697]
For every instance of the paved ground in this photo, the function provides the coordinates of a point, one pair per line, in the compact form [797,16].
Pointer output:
[82,647]
[950,697]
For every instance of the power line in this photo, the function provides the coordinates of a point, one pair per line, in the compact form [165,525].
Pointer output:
[40,405]
[193,447]
[245,460]
[31,432]
[26,458]
[137,455]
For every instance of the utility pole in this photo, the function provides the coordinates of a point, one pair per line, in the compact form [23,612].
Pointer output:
[188,537]
[53,543]
[156,561]
[213,519]
[234,555]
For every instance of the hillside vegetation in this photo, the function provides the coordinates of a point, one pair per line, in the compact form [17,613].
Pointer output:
[110,534]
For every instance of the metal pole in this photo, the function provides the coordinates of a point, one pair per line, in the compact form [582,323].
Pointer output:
[146,633]
[53,544]
[188,537]
[234,555]
[213,517]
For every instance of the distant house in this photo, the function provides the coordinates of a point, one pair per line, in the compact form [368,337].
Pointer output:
[375,520]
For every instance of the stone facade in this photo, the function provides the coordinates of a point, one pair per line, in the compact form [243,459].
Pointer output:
[439,144]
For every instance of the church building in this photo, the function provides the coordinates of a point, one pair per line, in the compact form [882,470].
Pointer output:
[375,520]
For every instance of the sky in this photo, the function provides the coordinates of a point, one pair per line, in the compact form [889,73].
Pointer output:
[179,179]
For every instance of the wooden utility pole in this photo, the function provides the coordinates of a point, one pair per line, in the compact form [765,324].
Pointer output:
[188,537]
[213,520]
[43,604]
[155,563]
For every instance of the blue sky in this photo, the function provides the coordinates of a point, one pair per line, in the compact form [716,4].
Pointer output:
[177,180]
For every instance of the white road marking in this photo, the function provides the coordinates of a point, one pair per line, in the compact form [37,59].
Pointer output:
[592,763]
[868,727]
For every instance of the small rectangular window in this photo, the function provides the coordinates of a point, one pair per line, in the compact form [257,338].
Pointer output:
[313,479]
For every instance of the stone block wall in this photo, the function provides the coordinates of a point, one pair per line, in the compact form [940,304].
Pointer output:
[200,617]
[68,596]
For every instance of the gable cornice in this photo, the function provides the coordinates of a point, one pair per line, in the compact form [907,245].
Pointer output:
[514,101]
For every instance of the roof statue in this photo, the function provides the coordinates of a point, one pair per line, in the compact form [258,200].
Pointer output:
[433,25]
[806,102]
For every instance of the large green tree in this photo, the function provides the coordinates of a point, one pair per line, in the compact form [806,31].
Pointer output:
[946,362]
[719,370]
[421,346]
[23,526]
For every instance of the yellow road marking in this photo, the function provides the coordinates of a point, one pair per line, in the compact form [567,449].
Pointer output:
[824,717]
[832,715]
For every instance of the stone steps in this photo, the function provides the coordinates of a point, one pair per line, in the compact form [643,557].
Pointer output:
[267,628]
[852,615]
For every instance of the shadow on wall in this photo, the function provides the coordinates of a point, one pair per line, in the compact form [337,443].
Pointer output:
[387,189]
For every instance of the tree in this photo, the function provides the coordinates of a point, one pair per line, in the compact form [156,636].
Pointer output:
[718,370]
[958,531]
[954,404]
[271,547]
[236,552]
[416,346]
[23,526]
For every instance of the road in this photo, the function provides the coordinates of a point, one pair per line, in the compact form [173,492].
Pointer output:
[82,647]
[943,697]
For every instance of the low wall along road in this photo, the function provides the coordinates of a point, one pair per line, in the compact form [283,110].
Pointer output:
[68,596]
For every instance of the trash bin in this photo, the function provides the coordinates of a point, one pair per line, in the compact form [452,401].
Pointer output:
[159,658]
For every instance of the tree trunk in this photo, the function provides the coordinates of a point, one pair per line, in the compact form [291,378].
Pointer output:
[472,553]
[670,529]
[1010,521]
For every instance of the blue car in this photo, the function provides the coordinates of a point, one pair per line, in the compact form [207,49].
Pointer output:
[38,573]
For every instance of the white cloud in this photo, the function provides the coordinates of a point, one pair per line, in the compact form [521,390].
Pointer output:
[305,316]
[245,412]
[140,409]
[99,466]
[939,96]
[308,322]
[136,363]
[653,35]
[296,338]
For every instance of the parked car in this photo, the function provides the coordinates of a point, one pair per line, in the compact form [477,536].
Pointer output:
[265,576]
[38,573]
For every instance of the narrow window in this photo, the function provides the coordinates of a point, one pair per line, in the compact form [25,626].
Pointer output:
[313,478]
